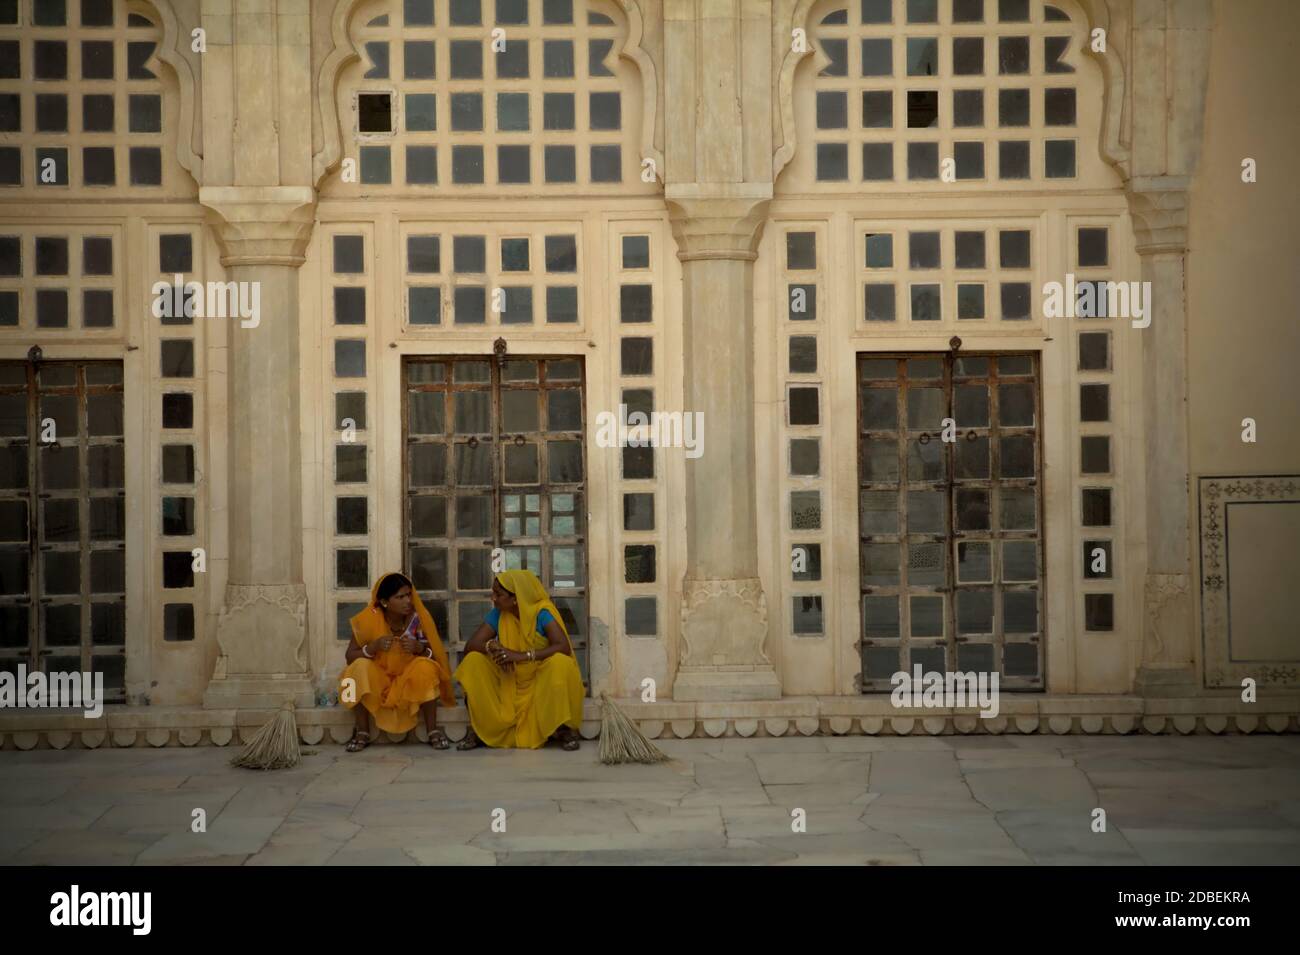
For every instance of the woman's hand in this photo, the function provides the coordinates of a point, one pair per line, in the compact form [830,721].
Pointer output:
[412,646]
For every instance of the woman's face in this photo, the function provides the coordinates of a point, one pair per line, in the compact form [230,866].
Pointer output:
[503,600]
[401,603]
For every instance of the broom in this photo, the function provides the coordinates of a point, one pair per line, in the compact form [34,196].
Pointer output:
[621,741]
[275,745]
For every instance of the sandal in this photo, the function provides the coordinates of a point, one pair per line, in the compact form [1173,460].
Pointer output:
[438,739]
[359,741]
[471,741]
[568,739]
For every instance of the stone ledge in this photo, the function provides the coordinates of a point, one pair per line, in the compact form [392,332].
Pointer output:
[156,726]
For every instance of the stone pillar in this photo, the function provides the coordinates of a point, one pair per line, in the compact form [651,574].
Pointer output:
[262,629]
[724,612]
[1159,210]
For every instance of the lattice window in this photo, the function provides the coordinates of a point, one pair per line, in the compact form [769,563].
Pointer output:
[474,96]
[936,93]
[82,104]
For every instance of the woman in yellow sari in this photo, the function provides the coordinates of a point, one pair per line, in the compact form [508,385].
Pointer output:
[522,683]
[397,666]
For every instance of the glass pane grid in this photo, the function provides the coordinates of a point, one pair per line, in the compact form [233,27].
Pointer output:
[937,518]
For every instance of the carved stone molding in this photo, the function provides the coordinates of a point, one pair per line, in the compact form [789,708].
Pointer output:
[1158,206]
[724,623]
[174,50]
[245,601]
[1160,591]
[1216,495]
[711,226]
[261,225]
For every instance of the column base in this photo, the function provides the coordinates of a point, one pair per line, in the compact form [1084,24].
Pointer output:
[261,632]
[705,684]
[259,693]
[1166,682]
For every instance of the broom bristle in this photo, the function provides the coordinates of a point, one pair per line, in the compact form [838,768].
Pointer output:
[620,739]
[275,745]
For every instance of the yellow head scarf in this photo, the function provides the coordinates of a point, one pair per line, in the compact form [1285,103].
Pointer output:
[371,624]
[520,633]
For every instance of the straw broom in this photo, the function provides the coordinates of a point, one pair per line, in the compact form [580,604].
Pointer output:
[275,745]
[621,741]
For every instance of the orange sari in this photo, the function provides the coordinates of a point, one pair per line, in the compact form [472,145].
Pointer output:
[394,684]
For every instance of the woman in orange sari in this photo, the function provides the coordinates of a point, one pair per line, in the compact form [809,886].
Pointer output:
[522,683]
[397,666]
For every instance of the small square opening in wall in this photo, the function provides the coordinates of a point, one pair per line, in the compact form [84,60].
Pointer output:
[374,112]
[1094,402]
[637,356]
[97,114]
[1097,560]
[805,457]
[96,255]
[350,405]
[806,562]
[349,254]
[349,305]
[969,158]
[177,357]
[352,568]
[515,255]
[421,112]
[807,615]
[349,463]
[641,615]
[1096,507]
[968,56]
[967,108]
[1095,454]
[424,254]
[639,564]
[561,304]
[51,255]
[350,515]
[178,569]
[636,252]
[1099,612]
[877,109]
[1093,248]
[175,253]
[922,109]
[877,162]
[561,253]
[178,622]
[805,510]
[1094,351]
[639,400]
[880,250]
[832,162]
[178,410]
[922,160]
[178,463]
[803,303]
[424,304]
[639,511]
[803,406]
[803,354]
[800,250]
[968,249]
[635,303]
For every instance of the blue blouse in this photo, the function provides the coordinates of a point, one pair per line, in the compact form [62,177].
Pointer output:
[493,620]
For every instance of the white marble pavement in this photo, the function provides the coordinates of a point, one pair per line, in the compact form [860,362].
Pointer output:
[866,800]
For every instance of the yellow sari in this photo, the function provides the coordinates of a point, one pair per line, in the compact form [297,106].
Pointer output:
[523,705]
[395,683]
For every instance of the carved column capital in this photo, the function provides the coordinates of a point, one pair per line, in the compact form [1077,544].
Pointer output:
[261,225]
[709,223]
[1158,205]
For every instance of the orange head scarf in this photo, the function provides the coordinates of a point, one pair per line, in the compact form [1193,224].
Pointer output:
[372,624]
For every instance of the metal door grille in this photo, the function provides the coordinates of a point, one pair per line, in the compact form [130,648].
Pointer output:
[62,519]
[495,457]
[951,549]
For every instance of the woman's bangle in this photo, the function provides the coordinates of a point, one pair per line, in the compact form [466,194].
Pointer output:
[428,652]
[366,655]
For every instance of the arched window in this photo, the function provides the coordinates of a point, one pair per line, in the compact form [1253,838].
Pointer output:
[921,94]
[475,96]
[82,104]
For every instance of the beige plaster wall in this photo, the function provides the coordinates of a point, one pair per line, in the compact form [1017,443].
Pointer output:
[1242,281]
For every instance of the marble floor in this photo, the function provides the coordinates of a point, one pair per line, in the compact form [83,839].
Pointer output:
[986,800]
